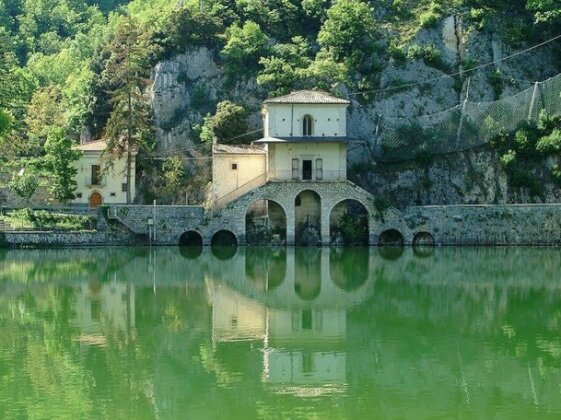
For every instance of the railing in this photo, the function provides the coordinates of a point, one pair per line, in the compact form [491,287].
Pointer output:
[315,175]
[241,190]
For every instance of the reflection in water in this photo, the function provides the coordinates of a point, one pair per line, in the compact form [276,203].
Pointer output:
[307,281]
[191,252]
[265,268]
[224,252]
[280,333]
[349,267]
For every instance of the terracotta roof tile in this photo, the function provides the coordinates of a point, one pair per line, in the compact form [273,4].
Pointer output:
[237,149]
[307,97]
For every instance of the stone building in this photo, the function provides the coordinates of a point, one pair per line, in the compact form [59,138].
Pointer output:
[304,143]
[305,139]
[97,183]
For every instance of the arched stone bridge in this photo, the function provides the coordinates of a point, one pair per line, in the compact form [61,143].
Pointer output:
[232,217]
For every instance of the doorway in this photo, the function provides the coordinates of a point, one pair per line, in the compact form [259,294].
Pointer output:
[95,200]
[307,169]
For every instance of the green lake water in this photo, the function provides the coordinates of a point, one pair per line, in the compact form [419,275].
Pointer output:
[290,333]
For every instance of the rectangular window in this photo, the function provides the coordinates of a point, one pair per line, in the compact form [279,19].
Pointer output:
[124,187]
[306,169]
[295,168]
[112,194]
[78,195]
[234,166]
[319,169]
[96,175]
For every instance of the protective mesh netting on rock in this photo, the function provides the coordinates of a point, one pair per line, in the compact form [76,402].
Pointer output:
[466,125]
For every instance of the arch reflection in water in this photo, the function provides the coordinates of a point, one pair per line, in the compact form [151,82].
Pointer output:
[265,268]
[349,267]
[307,276]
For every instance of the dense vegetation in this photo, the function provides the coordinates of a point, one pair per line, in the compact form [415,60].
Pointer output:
[82,67]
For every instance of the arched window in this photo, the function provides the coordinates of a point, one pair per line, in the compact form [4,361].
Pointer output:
[307,125]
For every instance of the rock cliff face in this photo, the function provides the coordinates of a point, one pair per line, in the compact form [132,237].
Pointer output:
[472,177]
[188,87]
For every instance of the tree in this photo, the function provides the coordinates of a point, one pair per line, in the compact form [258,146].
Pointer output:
[244,47]
[9,92]
[349,29]
[44,113]
[24,184]
[58,162]
[127,70]
[284,70]
[227,123]
[173,174]
[547,11]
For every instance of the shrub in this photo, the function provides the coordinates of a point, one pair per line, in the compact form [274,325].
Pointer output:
[430,17]
[556,175]
[551,143]
[508,160]
[429,54]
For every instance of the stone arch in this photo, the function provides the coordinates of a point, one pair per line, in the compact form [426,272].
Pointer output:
[224,244]
[265,222]
[391,237]
[190,244]
[390,244]
[423,238]
[349,267]
[191,238]
[423,244]
[348,223]
[224,237]
[265,268]
[307,218]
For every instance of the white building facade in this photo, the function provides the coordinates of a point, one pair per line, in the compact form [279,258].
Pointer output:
[305,139]
[98,183]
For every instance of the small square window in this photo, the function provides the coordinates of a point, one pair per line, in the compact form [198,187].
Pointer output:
[234,166]
[124,187]
[78,195]
[112,194]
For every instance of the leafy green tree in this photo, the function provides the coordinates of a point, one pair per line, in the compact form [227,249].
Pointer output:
[325,72]
[350,28]
[174,175]
[285,69]
[129,126]
[44,113]
[227,123]
[59,164]
[245,46]
[190,28]
[24,184]
[545,11]
[9,91]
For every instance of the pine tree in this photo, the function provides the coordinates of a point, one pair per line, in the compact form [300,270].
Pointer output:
[129,126]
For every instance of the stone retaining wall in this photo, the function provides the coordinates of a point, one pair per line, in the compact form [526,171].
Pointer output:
[501,224]
[538,224]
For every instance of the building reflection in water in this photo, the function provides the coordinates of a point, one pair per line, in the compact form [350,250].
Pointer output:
[297,312]
[102,309]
